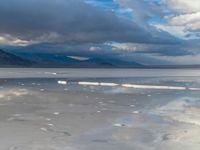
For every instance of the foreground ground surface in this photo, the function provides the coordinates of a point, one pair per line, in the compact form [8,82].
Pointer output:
[85,109]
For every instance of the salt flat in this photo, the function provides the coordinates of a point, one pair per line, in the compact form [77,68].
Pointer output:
[77,109]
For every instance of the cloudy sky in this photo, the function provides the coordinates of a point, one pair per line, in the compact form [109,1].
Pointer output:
[146,31]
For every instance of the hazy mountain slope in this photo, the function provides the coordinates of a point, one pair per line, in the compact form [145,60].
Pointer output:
[50,60]
[63,60]
[11,60]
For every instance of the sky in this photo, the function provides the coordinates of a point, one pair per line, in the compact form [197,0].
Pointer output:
[151,32]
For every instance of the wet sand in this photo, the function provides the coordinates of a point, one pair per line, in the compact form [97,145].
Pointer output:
[87,113]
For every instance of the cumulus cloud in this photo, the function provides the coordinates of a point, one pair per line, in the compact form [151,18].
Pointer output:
[185,14]
[71,21]
[86,29]
[95,48]
[156,49]
[7,39]
[190,21]
[184,6]
[141,9]
[127,47]
[178,31]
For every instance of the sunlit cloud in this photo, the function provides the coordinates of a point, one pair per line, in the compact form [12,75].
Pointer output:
[13,41]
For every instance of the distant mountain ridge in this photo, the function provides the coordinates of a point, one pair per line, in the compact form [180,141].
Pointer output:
[11,60]
[47,60]
[63,60]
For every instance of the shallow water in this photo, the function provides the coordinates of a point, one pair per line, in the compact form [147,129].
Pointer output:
[87,109]
[92,73]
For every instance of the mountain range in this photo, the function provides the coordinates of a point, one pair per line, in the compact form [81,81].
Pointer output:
[11,60]
[51,60]
[48,60]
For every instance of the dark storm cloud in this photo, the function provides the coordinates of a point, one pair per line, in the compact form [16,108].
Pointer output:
[168,50]
[71,21]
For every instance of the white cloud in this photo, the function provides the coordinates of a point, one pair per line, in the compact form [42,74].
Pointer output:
[140,9]
[7,39]
[128,47]
[175,30]
[189,21]
[93,48]
[185,14]
[183,6]
[13,41]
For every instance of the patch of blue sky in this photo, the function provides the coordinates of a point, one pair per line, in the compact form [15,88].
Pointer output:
[125,12]
[156,2]
[112,6]
[105,4]
[157,20]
